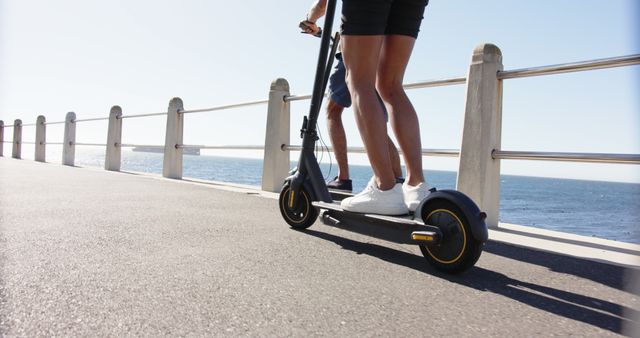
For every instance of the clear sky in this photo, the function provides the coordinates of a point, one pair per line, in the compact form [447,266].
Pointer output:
[86,56]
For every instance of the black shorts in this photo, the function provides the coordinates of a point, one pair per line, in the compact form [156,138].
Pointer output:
[382,17]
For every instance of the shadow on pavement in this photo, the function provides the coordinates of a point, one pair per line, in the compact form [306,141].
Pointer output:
[597,312]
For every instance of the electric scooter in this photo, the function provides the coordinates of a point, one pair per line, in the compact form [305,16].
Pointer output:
[447,225]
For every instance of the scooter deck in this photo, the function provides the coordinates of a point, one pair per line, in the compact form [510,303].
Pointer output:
[339,195]
[402,219]
[398,229]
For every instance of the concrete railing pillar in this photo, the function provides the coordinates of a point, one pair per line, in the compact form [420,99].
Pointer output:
[1,138]
[113,157]
[172,164]
[276,161]
[17,139]
[479,173]
[41,139]
[69,143]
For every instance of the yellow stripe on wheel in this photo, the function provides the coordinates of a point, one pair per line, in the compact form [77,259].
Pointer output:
[306,210]
[464,236]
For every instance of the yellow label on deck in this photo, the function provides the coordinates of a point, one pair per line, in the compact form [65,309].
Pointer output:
[418,237]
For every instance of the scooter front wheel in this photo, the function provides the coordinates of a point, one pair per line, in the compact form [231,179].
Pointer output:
[301,215]
[458,250]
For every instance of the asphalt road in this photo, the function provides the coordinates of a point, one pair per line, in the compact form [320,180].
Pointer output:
[86,252]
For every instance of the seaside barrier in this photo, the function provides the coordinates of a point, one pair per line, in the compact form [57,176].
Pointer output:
[479,155]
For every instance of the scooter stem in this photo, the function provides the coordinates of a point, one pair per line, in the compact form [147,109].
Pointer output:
[309,139]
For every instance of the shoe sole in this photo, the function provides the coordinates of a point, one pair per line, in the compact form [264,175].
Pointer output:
[340,190]
[413,206]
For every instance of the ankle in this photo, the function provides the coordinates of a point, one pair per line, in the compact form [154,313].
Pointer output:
[384,186]
[414,181]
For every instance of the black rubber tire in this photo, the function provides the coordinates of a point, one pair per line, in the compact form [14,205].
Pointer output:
[303,215]
[458,250]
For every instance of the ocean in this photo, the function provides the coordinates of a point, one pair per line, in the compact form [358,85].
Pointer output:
[607,210]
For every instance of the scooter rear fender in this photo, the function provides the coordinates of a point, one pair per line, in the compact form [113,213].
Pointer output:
[474,216]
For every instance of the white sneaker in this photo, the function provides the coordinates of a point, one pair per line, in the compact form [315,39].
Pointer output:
[372,200]
[413,195]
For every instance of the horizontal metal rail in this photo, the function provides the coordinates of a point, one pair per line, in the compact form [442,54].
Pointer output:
[61,122]
[28,125]
[229,106]
[361,150]
[240,147]
[90,144]
[91,119]
[55,143]
[128,145]
[567,157]
[190,146]
[436,83]
[425,152]
[290,98]
[415,85]
[140,115]
[571,67]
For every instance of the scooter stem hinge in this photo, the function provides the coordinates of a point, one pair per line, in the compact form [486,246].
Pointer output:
[303,129]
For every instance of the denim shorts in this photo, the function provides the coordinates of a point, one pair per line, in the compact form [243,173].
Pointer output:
[382,17]
[338,90]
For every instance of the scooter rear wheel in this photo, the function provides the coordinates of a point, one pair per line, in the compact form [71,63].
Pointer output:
[300,216]
[458,250]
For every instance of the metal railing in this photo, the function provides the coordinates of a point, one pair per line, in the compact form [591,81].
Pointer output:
[120,117]
[223,147]
[561,69]
[416,85]
[496,154]
[277,146]
[229,106]
[362,150]
[567,157]
[620,61]
[90,120]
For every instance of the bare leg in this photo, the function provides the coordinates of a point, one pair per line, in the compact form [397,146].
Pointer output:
[360,55]
[338,138]
[394,56]
[395,158]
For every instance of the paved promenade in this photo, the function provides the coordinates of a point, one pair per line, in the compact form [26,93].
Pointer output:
[86,252]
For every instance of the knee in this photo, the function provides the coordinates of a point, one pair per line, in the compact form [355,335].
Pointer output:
[360,85]
[389,91]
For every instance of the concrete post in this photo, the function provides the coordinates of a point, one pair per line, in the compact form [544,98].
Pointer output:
[1,138]
[69,143]
[276,161]
[479,173]
[17,139]
[172,164]
[114,140]
[41,139]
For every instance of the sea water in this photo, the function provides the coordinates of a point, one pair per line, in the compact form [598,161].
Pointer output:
[606,210]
